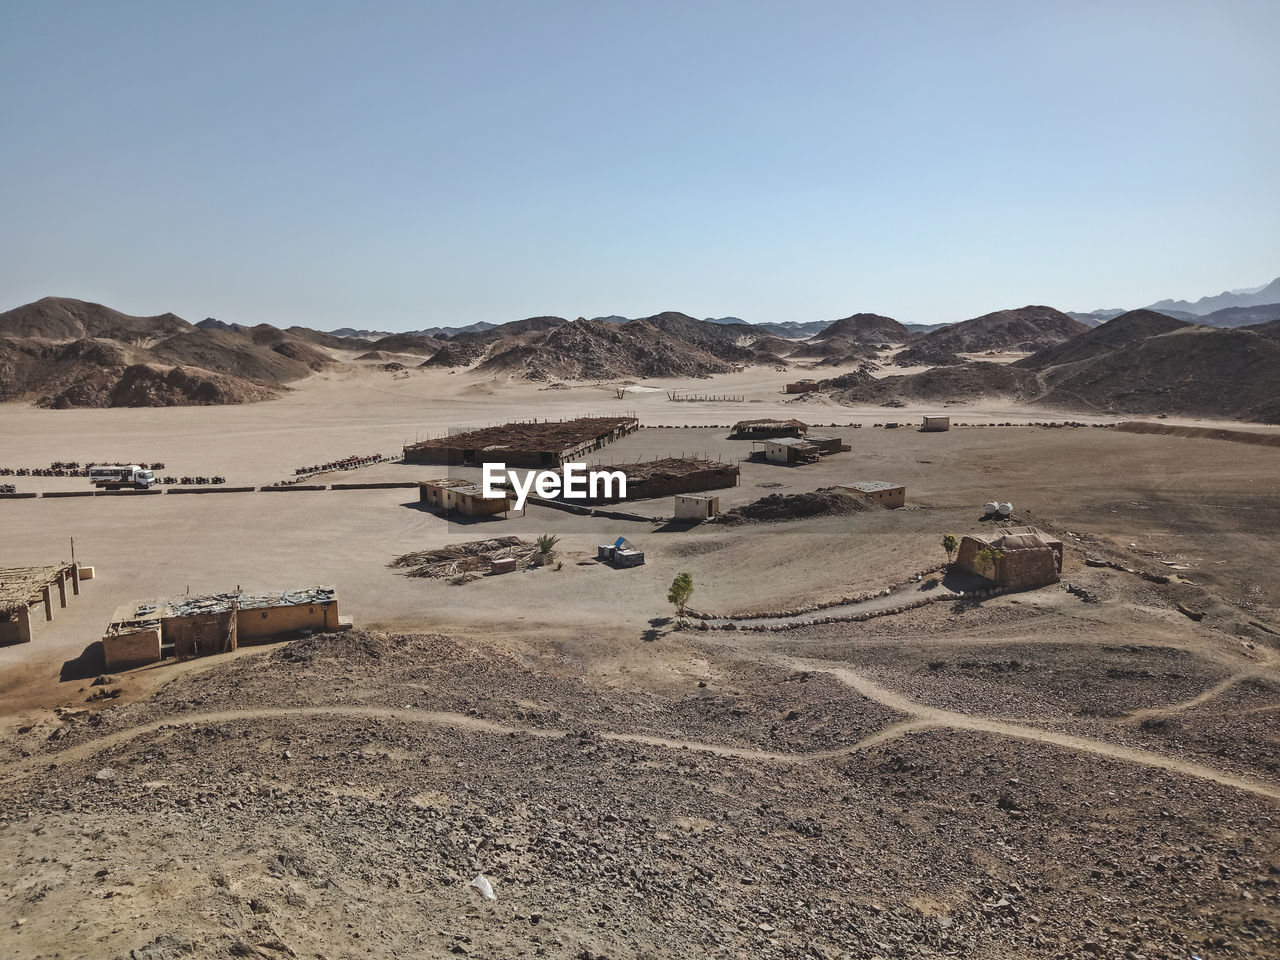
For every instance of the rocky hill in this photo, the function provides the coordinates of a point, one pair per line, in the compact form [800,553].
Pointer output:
[1241,316]
[595,350]
[977,380]
[1116,334]
[1024,330]
[414,343]
[275,361]
[666,344]
[866,328]
[1148,364]
[732,342]
[64,318]
[832,350]
[107,373]
[465,349]
[926,355]
[60,352]
[1271,329]
[1141,362]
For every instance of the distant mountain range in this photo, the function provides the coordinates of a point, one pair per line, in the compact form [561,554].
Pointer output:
[1260,296]
[1206,310]
[63,352]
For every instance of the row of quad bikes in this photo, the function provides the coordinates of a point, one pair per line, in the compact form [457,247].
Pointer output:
[72,468]
[66,468]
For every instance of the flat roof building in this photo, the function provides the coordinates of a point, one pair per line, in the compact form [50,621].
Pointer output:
[798,450]
[696,506]
[150,630]
[466,497]
[889,495]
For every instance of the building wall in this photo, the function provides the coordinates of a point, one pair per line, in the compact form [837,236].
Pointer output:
[779,453]
[696,508]
[711,479]
[890,499]
[264,623]
[17,628]
[1021,569]
[198,635]
[127,650]
[449,498]
[1027,569]
[474,506]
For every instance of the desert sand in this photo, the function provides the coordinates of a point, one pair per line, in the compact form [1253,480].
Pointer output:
[1034,774]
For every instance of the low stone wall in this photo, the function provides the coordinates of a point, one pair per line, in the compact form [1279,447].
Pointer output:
[826,604]
[388,485]
[856,617]
[214,490]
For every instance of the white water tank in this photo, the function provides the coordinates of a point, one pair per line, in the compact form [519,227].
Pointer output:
[1006,508]
[990,507]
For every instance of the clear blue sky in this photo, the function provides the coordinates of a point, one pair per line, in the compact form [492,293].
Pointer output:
[400,165]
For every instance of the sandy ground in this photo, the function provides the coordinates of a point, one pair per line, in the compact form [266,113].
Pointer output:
[359,409]
[1035,751]
[1164,495]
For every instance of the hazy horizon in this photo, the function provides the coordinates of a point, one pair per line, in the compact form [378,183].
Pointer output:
[402,166]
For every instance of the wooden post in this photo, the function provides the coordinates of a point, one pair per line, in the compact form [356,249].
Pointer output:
[62,589]
[75,579]
[48,603]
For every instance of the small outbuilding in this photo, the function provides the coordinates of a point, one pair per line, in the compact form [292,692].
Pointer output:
[802,386]
[798,450]
[935,424]
[451,494]
[1020,558]
[882,492]
[696,506]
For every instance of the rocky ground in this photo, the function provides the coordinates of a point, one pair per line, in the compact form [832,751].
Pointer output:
[1083,772]
[998,780]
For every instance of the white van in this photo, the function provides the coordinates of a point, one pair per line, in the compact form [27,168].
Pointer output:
[116,477]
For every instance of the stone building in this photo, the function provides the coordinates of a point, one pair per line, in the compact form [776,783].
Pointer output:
[1025,557]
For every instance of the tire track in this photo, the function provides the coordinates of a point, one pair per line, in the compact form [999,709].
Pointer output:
[455,721]
[949,719]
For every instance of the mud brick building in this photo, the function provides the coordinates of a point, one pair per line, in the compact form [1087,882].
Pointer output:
[1026,557]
